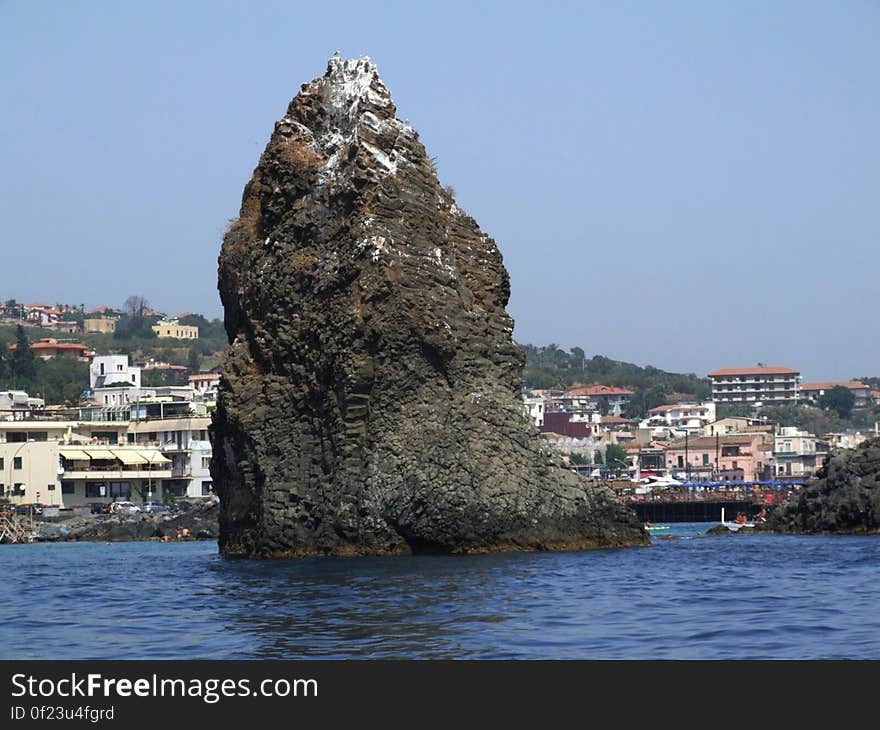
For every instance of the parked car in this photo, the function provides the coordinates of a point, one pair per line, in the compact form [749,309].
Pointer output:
[181,505]
[29,509]
[155,507]
[124,508]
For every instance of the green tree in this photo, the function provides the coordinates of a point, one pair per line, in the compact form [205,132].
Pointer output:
[23,365]
[192,361]
[616,457]
[576,458]
[839,399]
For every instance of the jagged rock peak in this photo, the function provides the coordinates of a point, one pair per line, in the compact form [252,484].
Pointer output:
[348,107]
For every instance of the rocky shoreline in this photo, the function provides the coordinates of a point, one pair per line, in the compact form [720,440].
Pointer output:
[199,523]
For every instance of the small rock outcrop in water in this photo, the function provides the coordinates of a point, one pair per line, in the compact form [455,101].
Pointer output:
[370,400]
[844,497]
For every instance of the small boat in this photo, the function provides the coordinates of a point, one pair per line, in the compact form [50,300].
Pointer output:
[734,525]
[656,527]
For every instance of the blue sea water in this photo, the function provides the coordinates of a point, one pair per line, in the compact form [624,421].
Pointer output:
[687,596]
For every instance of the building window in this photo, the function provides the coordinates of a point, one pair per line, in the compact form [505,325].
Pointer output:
[50,487]
[96,489]
[67,488]
[705,459]
[16,462]
[680,462]
[207,489]
[120,489]
[206,462]
[2,465]
[18,490]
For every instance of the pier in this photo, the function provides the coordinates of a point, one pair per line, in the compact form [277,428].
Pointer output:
[693,510]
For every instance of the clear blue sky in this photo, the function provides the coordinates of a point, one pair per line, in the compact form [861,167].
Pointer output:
[686,184]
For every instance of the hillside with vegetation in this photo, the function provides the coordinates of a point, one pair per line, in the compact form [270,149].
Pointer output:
[62,380]
[552,367]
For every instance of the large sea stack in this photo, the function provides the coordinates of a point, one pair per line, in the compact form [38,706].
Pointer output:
[844,498]
[370,400]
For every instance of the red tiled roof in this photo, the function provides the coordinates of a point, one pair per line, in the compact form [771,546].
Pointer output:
[614,419]
[763,370]
[52,345]
[851,384]
[598,390]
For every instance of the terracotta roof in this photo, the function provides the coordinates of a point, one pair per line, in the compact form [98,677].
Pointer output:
[598,390]
[205,376]
[851,384]
[764,370]
[678,407]
[704,442]
[52,345]
[614,419]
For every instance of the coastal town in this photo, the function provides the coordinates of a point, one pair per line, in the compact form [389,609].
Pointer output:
[132,445]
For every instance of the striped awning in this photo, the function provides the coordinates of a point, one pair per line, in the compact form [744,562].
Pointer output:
[129,457]
[75,454]
[154,457]
[101,454]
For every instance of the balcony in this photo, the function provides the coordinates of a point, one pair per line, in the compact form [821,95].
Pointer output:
[114,474]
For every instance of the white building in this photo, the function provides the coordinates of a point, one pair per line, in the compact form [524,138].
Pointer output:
[681,417]
[534,407]
[108,370]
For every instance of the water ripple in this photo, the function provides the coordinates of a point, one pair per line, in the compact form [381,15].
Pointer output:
[745,597]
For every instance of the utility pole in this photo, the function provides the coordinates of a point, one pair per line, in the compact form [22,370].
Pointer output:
[687,461]
[717,450]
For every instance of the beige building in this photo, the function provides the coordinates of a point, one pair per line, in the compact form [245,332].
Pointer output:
[794,453]
[171,328]
[99,325]
[29,472]
[119,473]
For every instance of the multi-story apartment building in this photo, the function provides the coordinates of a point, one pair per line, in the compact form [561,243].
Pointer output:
[794,453]
[736,458]
[761,384]
[605,398]
[812,392]
[690,417]
[136,452]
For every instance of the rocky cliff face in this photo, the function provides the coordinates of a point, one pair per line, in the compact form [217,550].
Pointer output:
[844,498]
[370,398]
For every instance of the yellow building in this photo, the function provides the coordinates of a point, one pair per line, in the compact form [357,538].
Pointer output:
[165,329]
[99,325]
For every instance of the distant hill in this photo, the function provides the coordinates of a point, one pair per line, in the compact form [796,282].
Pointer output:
[552,367]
